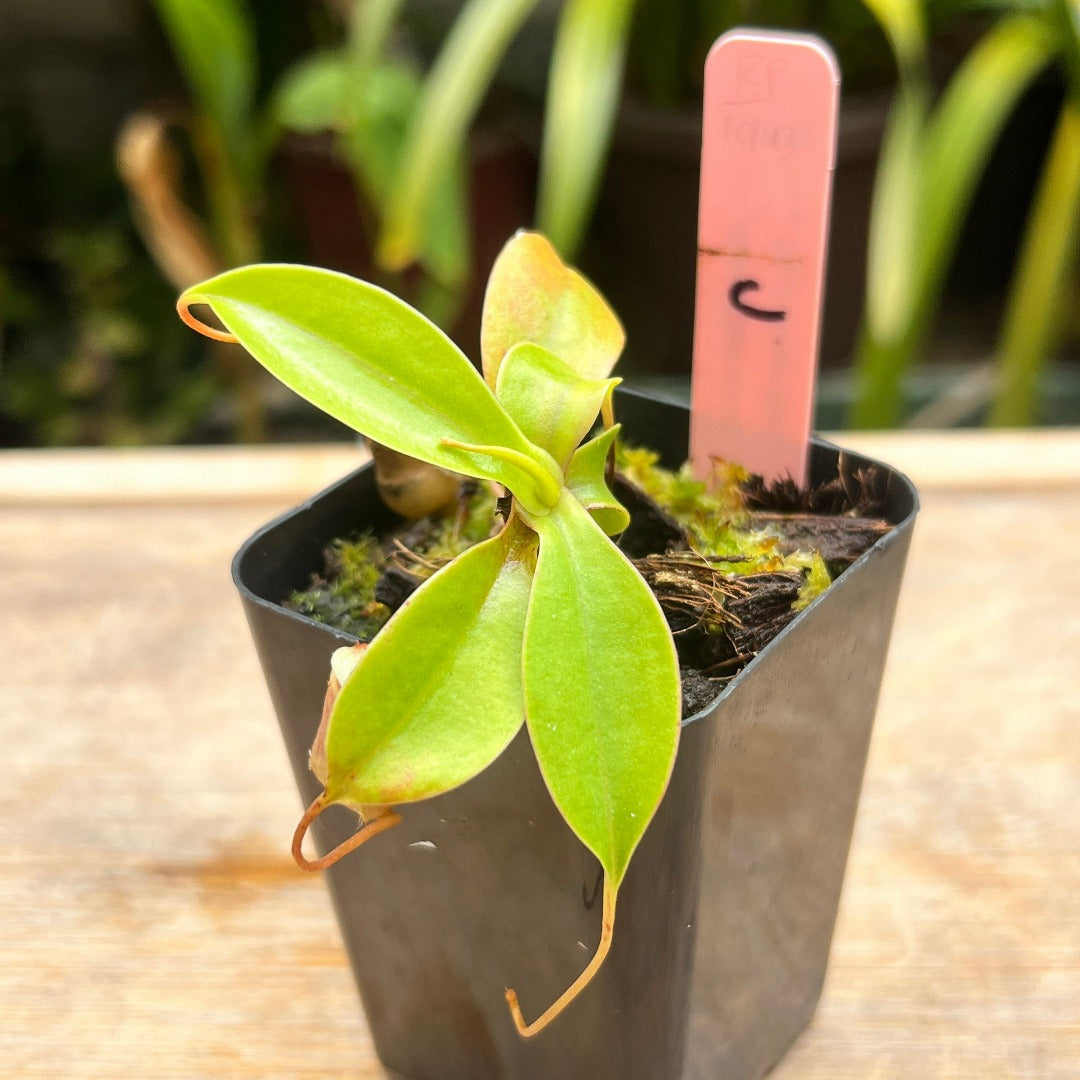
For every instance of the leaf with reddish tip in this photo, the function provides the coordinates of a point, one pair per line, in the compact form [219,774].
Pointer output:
[437,695]
[532,295]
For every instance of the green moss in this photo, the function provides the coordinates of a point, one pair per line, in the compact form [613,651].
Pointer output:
[717,521]
[345,596]
[816,577]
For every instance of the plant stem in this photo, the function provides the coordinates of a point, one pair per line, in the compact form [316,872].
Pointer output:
[369,28]
[1033,315]
[527,1031]
[879,380]
[452,94]
[387,819]
[238,240]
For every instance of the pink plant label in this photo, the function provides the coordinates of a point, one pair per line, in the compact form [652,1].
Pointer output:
[767,155]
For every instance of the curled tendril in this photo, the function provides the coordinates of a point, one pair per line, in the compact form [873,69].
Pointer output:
[386,819]
[183,309]
[527,1031]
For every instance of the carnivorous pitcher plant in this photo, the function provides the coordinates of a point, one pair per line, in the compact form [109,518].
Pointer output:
[546,623]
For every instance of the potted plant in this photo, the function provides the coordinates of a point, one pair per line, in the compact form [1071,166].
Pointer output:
[532,684]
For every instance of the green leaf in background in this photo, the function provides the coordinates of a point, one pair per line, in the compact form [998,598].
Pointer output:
[314,95]
[411,720]
[586,481]
[215,44]
[368,359]
[452,94]
[370,26]
[893,242]
[905,27]
[593,625]
[960,136]
[370,104]
[1040,288]
[927,178]
[554,407]
[533,296]
[1066,14]
[391,97]
[444,248]
[583,92]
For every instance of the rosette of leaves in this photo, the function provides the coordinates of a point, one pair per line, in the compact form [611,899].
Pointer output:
[547,623]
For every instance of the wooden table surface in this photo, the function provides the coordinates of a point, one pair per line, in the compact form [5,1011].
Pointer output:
[152,923]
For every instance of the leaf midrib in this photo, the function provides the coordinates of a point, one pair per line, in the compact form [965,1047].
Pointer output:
[401,388]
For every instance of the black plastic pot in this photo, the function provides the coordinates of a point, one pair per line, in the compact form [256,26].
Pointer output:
[727,913]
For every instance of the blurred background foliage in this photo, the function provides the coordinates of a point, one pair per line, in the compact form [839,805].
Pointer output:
[145,144]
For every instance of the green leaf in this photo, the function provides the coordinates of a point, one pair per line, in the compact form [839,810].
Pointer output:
[586,481]
[554,407]
[383,102]
[370,26]
[894,235]
[214,43]
[1033,315]
[372,362]
[1065,16]
[533,296]
[444,246]
[932,174]
[602,692]
[904,26]
[583,91]
[380,104]
[314,95]
[980,97]
[437,696]
[452,94]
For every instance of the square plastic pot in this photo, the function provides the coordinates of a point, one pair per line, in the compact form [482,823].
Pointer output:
[727,912]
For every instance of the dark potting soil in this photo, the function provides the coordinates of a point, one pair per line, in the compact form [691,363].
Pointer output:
[726,590]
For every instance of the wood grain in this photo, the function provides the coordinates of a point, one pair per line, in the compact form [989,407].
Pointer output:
[152,924]
[203,474]
[975,460]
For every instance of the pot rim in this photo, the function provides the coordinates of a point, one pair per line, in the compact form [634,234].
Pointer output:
[898,528]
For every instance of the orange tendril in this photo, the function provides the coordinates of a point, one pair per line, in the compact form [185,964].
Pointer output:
[183,309]
[387,819]
[527,1031]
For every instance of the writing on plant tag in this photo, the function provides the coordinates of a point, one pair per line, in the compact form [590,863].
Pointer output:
[768,151]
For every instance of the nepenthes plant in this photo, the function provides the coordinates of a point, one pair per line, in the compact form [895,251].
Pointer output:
[546,623]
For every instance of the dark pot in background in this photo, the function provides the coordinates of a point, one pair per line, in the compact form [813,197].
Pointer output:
[727,912]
